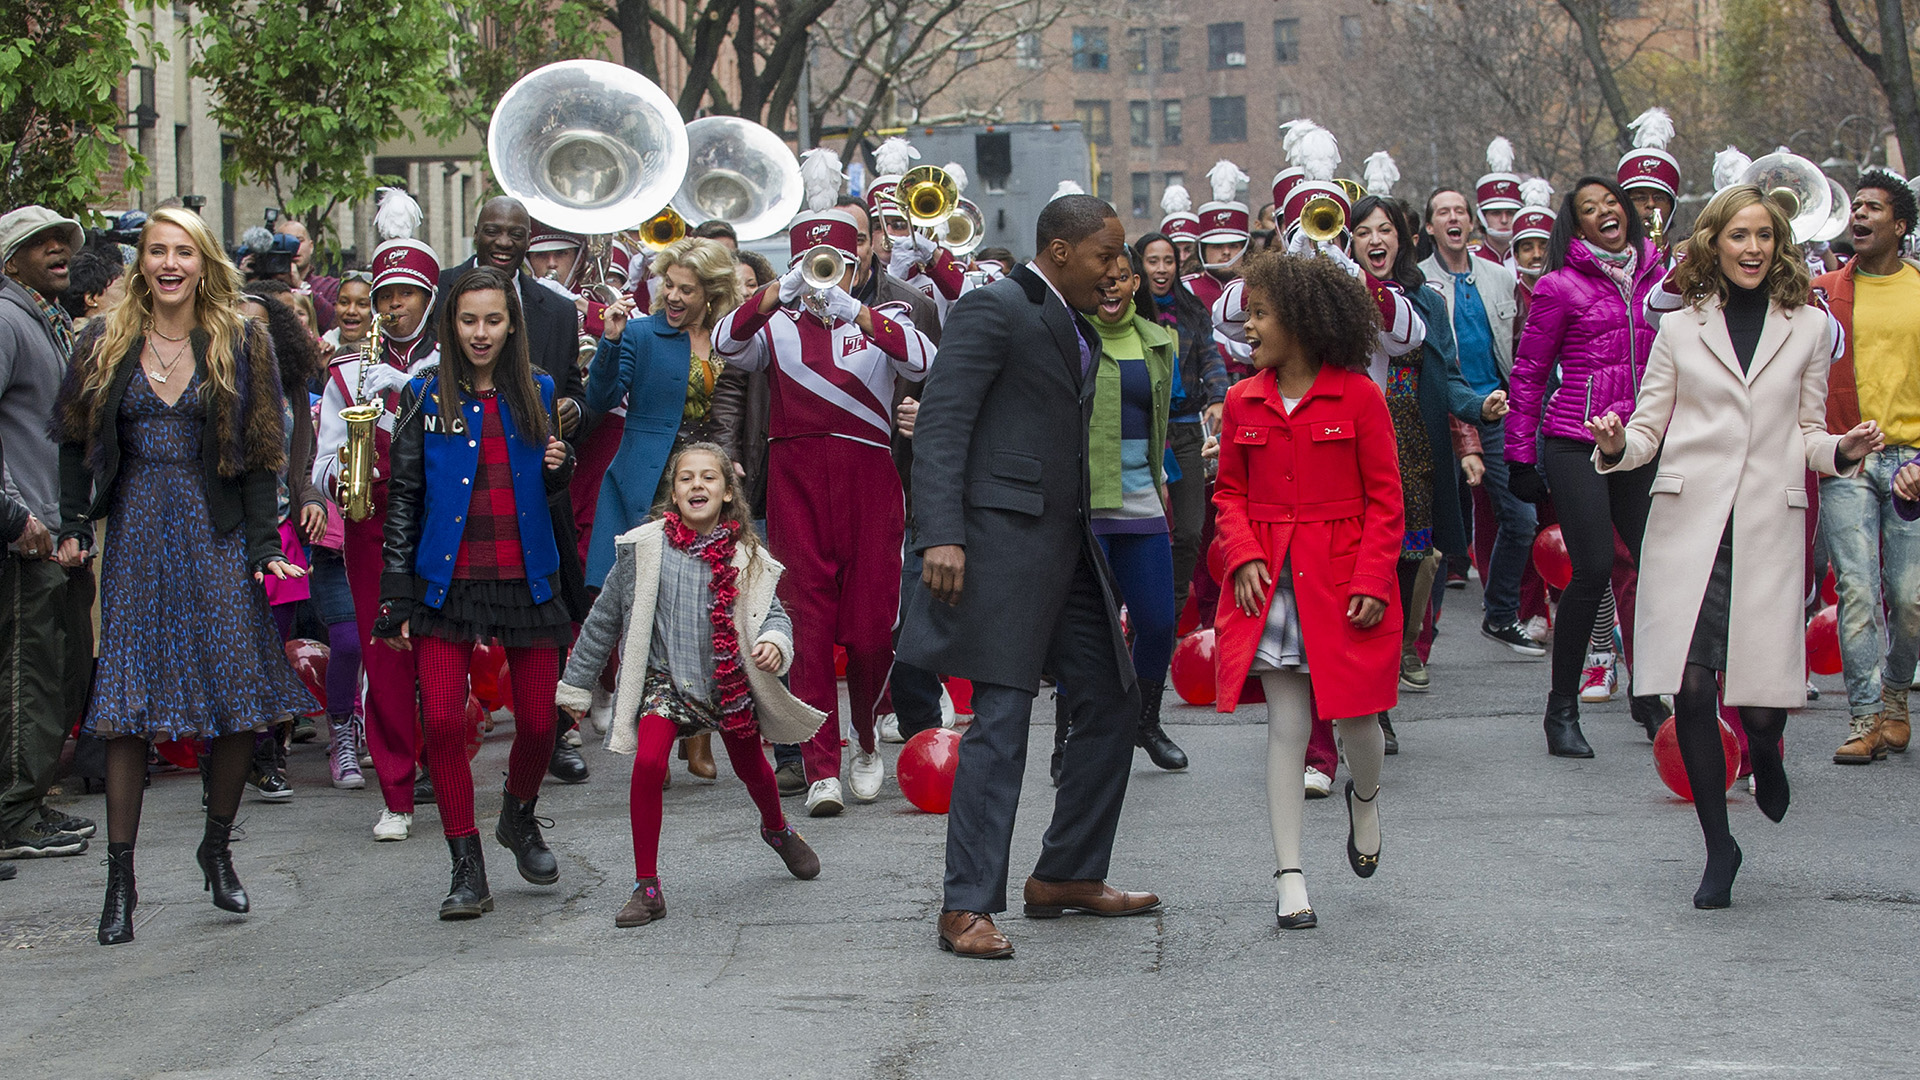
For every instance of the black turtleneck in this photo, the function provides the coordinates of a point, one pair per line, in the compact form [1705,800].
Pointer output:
[1746,315]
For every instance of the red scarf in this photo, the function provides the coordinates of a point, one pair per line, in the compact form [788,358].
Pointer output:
[729,674]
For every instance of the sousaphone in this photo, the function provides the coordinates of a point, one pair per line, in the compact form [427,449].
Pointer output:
[740,173]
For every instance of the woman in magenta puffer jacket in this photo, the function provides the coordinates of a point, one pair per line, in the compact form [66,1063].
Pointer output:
[1581,354]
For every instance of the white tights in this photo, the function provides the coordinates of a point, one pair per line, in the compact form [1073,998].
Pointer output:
[1289,725]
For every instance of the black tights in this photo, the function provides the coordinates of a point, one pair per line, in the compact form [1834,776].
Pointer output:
[227,759]
[1696,724]
[1590,508]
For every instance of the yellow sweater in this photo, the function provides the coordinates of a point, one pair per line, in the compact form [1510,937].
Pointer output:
[1886,352]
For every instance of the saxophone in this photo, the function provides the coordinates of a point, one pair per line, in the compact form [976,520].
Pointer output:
[362,418]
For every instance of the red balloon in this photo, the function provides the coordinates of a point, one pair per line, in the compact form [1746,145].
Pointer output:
[1829,591]
[1673,771]
[182,753]
[1550,557]
[476,726]
[309,661]
[926,769]
[1193,674]
[839,662]
[1823,641]
[487,677]
[960,692]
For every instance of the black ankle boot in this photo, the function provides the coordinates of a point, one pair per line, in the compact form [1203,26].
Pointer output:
[1649,712]
[1563,727]
[468,895]
[216,864]
[1151,737]
[116,915]
[519,832]
[566,764]
[1059,744]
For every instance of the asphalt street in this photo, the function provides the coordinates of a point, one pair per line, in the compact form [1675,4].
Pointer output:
[1531,917]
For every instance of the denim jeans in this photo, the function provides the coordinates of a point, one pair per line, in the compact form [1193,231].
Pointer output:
[1513,542]
[1875,555]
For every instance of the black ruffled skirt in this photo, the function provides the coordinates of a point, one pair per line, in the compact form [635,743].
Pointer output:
[503,611]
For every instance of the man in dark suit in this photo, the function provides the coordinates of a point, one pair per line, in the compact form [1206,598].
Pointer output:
[1014,585]
[501,235]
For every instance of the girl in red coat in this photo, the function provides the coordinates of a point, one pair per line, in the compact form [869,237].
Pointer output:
[1309,486]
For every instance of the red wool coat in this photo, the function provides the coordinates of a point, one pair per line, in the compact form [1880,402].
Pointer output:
[1324,486]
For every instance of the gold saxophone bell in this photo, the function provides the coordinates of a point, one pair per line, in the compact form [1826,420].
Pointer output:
[1322,219]
[663,228]
[1657,232]
[356,461]
[928,195]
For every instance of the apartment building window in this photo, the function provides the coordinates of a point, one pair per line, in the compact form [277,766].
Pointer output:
[1226,45]
[1026,50]
[1286,41]
[1352,35]
[1103,186]
[1096,121]
[1089,48]
[1136,58]
[1032,110]
[1137,124]
[1287,106]
[1227,119]
[1169,48]
[1142,193]
[1170,123]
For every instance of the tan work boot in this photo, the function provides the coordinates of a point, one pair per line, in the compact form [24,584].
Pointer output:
[1863,745]
[1895,730]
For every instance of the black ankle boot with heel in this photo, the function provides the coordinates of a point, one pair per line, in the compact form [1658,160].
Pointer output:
[216,865]
[116,915]
[1563,727]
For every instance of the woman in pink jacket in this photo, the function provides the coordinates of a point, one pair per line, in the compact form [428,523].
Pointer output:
[1582,355]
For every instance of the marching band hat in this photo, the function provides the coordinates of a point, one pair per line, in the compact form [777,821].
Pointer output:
[828,227]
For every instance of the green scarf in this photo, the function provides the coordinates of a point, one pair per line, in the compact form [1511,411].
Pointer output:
[1120,340]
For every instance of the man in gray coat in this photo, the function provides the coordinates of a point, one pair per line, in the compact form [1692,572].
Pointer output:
[39,611]
[1014,585]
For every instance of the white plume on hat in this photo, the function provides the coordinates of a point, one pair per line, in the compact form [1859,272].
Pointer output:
[1499,155]
[1728,164]
[1537,191]
[397,215]
[1225,178]
[1067,187]
[959,174]
[1652,129]
[1176,200]
[894,154]
[820,175]
[1315,152]
[1290,133]
[1380,173]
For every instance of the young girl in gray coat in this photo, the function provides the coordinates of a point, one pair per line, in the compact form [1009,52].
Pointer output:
[688,590]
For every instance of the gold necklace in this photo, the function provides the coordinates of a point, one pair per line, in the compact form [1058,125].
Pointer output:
[155,331]
[167,366]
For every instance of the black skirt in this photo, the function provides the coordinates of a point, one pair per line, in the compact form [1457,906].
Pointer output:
[503,611]
[1709,645]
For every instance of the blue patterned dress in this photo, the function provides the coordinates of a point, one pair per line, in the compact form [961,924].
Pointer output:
[187,648]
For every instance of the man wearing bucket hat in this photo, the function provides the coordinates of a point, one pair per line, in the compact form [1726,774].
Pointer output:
[41,632]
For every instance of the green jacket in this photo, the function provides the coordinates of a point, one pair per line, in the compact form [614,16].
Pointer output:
[1103,433]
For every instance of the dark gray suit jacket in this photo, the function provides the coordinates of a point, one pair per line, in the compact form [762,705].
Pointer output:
[1000,468]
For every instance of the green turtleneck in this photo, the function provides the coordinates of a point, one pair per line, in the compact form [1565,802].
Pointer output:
[1130,338]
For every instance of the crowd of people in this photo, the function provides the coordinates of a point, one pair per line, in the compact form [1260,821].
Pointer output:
[680,486]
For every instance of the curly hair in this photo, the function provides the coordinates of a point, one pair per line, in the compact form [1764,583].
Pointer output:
[1900,198]
[293,346]
[1327,312]
[710,262]
[1698,276]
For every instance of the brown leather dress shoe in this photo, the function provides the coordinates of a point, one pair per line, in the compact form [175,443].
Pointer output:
[1052,899]
[973,935]
[795,852]
[644,906]
[697,752]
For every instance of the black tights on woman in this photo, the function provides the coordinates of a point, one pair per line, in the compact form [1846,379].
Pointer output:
[227,759]
[1590,508]
[1696,713]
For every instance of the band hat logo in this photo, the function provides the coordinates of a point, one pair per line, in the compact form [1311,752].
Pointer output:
[1648,165]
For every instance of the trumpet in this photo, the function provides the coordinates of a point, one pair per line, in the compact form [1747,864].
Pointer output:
[1321,219]
[664,228]
[821,266]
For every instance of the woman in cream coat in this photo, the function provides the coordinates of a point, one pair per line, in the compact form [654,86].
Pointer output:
[1733,405]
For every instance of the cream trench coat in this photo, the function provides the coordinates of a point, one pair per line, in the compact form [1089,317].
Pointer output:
[1735,444]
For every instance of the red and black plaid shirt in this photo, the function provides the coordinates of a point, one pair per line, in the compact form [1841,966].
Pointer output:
[490,546]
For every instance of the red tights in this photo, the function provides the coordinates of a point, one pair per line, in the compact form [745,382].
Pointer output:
[443,667]
[657,735]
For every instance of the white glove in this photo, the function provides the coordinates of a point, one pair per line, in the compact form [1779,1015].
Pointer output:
[841,305]
[1297,242]
[903,259]
[382,377]
[1340,258]
[792,284]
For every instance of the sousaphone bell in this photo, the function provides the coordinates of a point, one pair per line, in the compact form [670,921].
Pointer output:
[741,173]
[1798,187]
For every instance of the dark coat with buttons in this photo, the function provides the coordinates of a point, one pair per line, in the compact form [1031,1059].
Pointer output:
[1000,468]
[1316,492]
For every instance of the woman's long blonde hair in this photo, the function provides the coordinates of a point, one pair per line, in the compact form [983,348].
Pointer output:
[216,307]
[1698,276]
[712,263]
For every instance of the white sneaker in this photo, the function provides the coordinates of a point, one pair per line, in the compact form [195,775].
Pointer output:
[824,798]
[1598,679]
[392,826]
[889,724]
[1537,628]
[948,714]
[600,712]
[869,771]
[1319,784]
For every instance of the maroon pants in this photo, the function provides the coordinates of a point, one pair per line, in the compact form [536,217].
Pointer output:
[837,525]
[392,726]
[444,669]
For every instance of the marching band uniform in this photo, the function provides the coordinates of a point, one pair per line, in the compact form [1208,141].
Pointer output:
[840,520]
[1499,189]
[1649,168]
[1533,222]
[1180,225]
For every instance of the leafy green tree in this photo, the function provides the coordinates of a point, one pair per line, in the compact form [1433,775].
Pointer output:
[312,87]
[60,63]
[495,42]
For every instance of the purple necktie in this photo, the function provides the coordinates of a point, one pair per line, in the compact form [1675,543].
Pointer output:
[1086,354]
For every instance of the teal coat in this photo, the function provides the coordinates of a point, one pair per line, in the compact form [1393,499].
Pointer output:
[648,368]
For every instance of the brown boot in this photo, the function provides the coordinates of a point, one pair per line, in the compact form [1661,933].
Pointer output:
[697,752]
[795,852]
[644,906]
[1895,730]
[1863,745]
